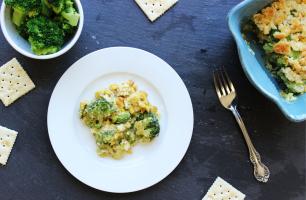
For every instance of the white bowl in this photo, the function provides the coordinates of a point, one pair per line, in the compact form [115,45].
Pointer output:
[22,46]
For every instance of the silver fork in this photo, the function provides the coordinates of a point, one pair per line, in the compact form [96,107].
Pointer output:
[227,94]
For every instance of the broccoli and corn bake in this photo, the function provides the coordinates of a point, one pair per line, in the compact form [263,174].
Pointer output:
[281,29]
[119,118]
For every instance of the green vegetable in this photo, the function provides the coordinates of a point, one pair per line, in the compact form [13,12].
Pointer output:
[121,118]
[45,36]
[281,61]
[297,88]
[23,30]
[18,16]
[46,24]
[95,112]
[23,9]
[104,136]
[70,14]
[277,61]
[65,8]
[291,87]
[268,47]
[65,26]
[295,54]
[100,107]
[150,124]
[45,10]
[142,116]
[56,5]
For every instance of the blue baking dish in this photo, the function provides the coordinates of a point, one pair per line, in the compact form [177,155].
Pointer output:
[251,58]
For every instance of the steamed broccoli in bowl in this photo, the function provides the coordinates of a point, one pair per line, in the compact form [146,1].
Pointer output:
[46,24]
[45,35]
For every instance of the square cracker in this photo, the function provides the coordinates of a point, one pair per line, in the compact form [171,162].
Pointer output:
[14,82]
[155,8]
[7,140]
[222,190]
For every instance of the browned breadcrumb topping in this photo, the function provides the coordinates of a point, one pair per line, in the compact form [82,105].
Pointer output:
[285,20]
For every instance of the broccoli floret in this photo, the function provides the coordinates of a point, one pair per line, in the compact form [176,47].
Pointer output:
[149,123]
[152,125]
[56,5]
[281,61]
[18,16]
[277,61]
[268,47]
[100,107]
[70,13]
[104,136]
[68,29]
[45,36]
[297,88]
[141,116]
[65,26]
[26,5]
[94,113]
[23,8]
[291,87]
[121,118]
[45,10]
[23,30]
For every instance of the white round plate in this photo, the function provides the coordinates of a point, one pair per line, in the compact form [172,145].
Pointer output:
[75,146]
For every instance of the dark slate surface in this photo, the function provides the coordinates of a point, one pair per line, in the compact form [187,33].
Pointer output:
[193,37]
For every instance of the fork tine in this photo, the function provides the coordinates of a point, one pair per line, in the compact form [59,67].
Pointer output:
[225,83]
[221,87]
[216,85]
[229,81]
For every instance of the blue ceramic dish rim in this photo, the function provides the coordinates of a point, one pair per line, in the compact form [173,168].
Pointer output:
[239,42]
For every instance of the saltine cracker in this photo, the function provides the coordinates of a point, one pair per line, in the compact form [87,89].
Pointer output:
[14,82]
[222,190]
[7,140]
[155,8]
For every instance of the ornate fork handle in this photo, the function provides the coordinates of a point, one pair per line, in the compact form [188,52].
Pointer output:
[261,172]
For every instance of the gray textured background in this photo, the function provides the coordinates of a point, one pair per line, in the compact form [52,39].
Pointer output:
[193,38]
